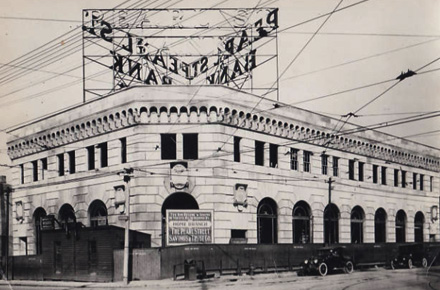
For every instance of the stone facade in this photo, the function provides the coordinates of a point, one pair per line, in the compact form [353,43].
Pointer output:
[136,118]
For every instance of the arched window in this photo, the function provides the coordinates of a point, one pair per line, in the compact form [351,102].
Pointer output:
[301,223]
[98,214]
[380,221]
[357,225]
[39,213]
[400,227]
[331,224]
[66,214]
[419,220]
[178,200]
[267,221]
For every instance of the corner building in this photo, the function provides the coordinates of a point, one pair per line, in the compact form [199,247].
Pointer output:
[262,167]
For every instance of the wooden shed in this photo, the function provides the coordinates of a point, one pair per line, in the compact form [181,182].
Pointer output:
[85,254]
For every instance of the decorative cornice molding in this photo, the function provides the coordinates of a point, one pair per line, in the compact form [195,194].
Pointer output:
[111,121]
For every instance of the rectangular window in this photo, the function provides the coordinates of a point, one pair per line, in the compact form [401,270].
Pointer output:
[361,166]
[103,154]
[43,167]
[91,157]
[35,170]
[123,142]
[335,166]
[306,161]
[396,177]
[351,169]
[259,153]
[431,183]
[22,173]
[383,175]
[168,146]
[324,164]
[293,159]
[403,178]
[273,155]
[24,245]
[238,237]
[414,180]
[237,156]
[72,162]
[60,164]
[190,146]
[375,173]
[422,177]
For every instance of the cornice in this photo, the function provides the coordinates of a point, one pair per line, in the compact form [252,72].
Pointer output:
[133,115]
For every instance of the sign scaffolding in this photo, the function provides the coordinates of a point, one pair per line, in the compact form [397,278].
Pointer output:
[231,47]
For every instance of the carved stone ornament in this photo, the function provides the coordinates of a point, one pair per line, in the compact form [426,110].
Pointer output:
[240,196]
[179,175]
[120,198]
[19,211]
[434,213]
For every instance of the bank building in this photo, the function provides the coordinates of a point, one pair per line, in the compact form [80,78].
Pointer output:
[209,165]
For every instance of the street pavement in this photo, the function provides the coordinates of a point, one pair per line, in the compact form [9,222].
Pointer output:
[375,278]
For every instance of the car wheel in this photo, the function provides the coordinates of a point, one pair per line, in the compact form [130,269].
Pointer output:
[424,262]
[392,265]
[410,264]
[323,269]
[348,267]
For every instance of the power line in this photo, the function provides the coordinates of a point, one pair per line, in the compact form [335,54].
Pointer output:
[39,19]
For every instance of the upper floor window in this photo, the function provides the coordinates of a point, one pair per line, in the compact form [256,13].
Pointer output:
[351,169]
[306,161]
[91,157]
[324,164]
[72,162]
[60,158]
[403,178]
[375,173]
[361,166]
[237,141]
[168,146]
[396,177]
[294,159]
[422,177]
[22,173]
[190,146]
[103,154]
[259,153]
[43,167]
[123,142]
[431,183]
[335,166]
[35,170]
[414,180]
[273,155]
[383,174]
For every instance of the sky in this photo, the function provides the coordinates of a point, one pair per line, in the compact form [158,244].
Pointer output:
[361,46]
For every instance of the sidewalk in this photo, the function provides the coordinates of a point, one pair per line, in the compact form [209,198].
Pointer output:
[171,284]
[152,284]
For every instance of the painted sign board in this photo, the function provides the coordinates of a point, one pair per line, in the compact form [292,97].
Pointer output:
[48,223]
[189,227]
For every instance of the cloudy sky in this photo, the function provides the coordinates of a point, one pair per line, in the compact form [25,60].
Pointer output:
[351,60]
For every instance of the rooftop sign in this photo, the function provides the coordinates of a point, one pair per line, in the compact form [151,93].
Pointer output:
[231,47]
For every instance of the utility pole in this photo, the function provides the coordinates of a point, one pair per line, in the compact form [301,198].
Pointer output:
[128,174]
[330,181]
[5,189]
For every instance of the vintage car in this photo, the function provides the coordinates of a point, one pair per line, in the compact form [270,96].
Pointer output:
[327,260]
[409,255]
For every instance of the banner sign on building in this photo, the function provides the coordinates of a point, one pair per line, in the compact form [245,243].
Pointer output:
[133,47]
[189,227]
